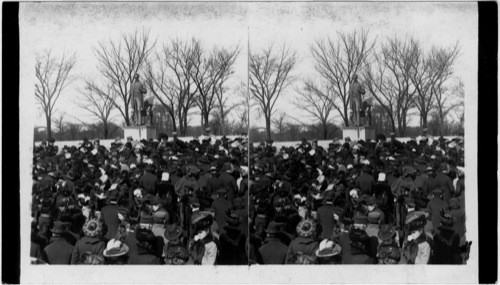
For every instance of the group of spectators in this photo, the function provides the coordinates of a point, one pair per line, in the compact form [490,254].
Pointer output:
[367,202]
[227,202]
[141,202]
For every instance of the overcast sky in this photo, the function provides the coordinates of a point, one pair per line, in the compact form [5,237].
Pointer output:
[79,27]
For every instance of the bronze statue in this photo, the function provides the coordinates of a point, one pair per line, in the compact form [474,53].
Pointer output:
[356,92]
[137,91]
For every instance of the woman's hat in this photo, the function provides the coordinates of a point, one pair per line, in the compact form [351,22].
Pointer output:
[328,248]
[232,221]
[389,251]
[92,228]
[115,248]
[172,232]
[58,228]
[386,232]
[447,220]
[306,228]
[415,220]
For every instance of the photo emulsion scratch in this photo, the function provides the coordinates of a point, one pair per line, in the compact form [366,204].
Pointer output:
[249,137]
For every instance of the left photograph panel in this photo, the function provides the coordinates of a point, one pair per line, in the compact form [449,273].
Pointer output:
[135,128]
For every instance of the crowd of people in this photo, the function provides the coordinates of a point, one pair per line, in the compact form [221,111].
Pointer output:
[227,202]
[367,202]
[141,202]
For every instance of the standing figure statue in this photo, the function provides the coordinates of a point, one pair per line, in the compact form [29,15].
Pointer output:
[137,91]
[356,92]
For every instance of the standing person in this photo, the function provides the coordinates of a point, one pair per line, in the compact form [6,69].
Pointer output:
[220,206]
[459,216]
[365,181]
[435,205]
[59,250]
[202,248]
[445,182]
[227,180]
[326,216]
[384,197]
[272,251]
[304,244]
[356,91]
[146,253]
[232,243]
[110,215]
[417,246]
[91,243]
[137,91]
[446,242]
[359,252]
[148,181]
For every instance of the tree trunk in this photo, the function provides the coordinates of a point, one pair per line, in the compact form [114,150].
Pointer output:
[346,116]
[424,119]
[174,127]
[127,116]
[268,126]
[49,125]
[325,130]
[205,117]
[106,131]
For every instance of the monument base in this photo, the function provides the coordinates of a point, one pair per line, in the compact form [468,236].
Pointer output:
[140,132]
[359,133]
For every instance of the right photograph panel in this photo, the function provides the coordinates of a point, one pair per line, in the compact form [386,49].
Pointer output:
[357,116]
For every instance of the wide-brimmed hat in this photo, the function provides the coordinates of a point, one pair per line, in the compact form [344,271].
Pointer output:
[92,228]
[328,248]
[415,220]
[389,251]
[306,228]
[58,228]
[386,232]
[172,232]
[115,248]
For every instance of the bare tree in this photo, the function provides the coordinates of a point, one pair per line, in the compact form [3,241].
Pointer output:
[278,121]
[59,122]
[389,81]
[448,99]
[170,81]
[73,130]
[337,62]
[429,71]
[317,102]
[52,77]
[269,77]
[211,71]
[99,104]
[119,61]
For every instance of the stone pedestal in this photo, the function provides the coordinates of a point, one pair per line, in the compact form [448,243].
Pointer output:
[359,133]
[140,132]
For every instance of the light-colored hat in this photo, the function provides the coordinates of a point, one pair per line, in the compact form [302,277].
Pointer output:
[115,248]
[165,176]
[381,177]
[328,248]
